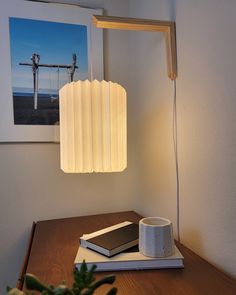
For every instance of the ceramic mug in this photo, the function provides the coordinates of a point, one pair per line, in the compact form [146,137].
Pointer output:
[156,237]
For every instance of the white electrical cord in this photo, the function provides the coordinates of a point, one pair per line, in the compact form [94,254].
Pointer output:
[175,143]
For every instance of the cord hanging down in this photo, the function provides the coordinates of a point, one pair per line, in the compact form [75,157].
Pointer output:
[175,143]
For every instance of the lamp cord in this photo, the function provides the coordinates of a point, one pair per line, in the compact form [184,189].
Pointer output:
[175,143]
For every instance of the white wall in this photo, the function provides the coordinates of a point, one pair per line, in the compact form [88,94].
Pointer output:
[32,186]
[152,95]
[207,120]
[206,102]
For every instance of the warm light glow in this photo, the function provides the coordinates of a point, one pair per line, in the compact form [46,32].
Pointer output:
[93,132]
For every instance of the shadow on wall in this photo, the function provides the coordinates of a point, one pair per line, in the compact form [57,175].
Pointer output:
[156,148]
[156,159]
[196,239]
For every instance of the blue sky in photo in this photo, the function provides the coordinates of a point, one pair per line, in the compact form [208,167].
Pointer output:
[54,42]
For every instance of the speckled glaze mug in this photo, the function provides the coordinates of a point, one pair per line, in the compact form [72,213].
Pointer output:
[156,237]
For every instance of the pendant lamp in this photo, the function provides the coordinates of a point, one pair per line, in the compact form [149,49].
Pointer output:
[93,127]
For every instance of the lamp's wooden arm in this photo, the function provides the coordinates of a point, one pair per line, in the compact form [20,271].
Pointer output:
[167,27]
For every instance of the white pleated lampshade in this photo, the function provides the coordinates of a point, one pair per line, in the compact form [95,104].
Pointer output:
[93,127]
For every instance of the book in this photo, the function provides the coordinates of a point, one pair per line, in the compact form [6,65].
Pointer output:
[127,260]
[113,239]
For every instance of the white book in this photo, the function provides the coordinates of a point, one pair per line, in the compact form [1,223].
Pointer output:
[127,260]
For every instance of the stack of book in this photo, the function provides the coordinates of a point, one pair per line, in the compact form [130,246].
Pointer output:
[116,248]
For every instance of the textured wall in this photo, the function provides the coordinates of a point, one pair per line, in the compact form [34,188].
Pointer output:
[152,95]
[207,124]
[206,92]
[33,187]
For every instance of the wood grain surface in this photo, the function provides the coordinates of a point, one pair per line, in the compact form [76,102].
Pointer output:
[138,24]
[56,242]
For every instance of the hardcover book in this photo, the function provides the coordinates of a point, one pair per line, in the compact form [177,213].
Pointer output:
[127,260]
[112,240]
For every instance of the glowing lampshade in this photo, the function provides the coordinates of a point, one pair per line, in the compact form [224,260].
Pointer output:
[93,132]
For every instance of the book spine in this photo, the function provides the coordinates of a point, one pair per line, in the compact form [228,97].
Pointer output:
[135,265]
[97,249]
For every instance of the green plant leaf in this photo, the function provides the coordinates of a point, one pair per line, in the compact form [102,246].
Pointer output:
[62,290]
[84,284]
[105,280]
[33,283]
[113,291]
[14,291]
[90,275]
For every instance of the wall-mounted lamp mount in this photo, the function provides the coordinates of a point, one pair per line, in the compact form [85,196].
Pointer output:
[93,114]
[136,24]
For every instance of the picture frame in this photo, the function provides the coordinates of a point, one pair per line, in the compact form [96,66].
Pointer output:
[48,12]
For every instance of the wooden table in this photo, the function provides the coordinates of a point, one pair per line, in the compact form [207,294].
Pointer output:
[55,244]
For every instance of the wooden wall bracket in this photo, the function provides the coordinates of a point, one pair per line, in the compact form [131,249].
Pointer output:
[166,27]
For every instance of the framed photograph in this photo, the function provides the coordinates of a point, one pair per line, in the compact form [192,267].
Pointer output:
[43,46]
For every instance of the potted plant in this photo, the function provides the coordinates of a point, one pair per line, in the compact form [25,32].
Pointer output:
[84,284]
